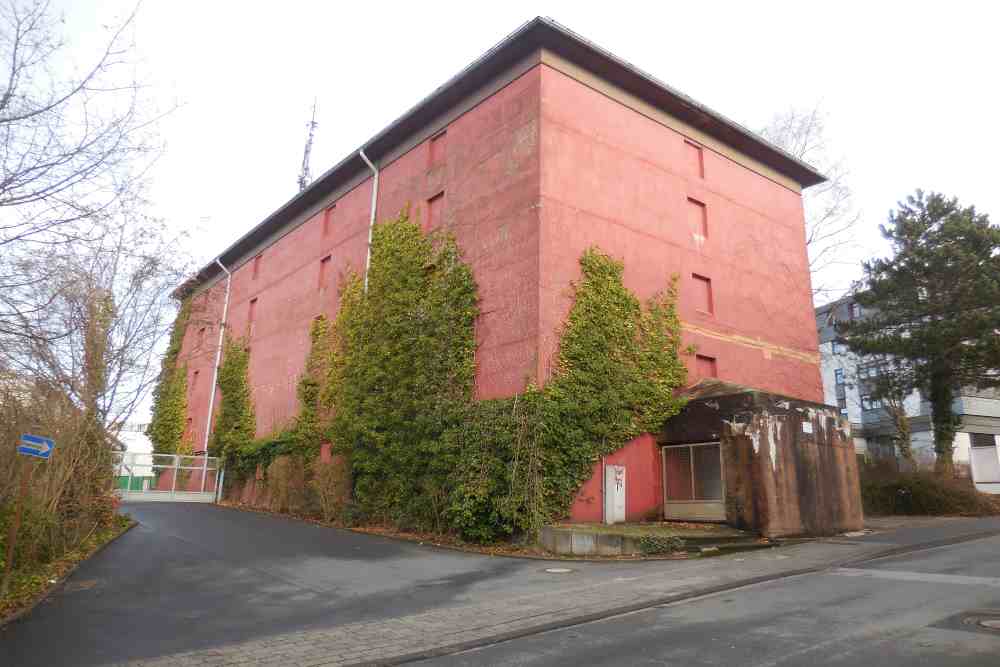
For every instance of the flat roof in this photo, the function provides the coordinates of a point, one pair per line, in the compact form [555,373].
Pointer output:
[536,34]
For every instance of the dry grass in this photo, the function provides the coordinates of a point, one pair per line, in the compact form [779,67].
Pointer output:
[30,584]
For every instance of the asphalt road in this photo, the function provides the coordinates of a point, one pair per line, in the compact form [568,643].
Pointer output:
[193,575]
[906,610]
[200,584]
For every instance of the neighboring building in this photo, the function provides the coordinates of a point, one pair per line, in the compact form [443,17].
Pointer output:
[848,383]
[543,147]
[137,473]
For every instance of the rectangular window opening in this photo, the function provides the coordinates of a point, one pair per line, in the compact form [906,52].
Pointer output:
[328,220]
[251,316]
[695,158]
[703,294]
[982,439]
[255,273]
[705,367]
[697,220]
[324,272]
[435,210]
[438,144]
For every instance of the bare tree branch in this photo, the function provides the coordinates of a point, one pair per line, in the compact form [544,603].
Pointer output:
[831,216]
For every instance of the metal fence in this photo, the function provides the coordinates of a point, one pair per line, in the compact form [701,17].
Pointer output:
[168,477]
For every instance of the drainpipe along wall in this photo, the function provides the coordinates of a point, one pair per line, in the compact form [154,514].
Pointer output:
[215,371]
[371,221]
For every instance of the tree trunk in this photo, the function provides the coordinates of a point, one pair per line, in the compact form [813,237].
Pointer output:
[942,395]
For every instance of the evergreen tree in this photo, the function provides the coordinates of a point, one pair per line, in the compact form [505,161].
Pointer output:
[935,306]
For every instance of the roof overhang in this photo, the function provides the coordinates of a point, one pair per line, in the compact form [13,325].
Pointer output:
[539,33]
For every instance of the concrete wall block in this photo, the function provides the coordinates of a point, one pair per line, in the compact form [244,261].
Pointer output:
[548,538]
[583,544]
[609,545]
[563,542]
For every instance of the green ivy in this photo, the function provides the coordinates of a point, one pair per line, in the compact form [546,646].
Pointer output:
[424,453]
[402,372]
[308,431]
[524,459]
[391,384]
[169,419]
[236,424]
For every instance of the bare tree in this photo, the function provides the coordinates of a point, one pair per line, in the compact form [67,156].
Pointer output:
[831,216]
[74,142]
[109,299]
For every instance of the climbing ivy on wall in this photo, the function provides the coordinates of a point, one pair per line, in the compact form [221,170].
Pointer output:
[235,426]
[169,419]
[424,454]
[390,383]
[616,372]
[402,372]
[309,426]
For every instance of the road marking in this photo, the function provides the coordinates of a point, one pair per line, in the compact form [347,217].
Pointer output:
[923,577]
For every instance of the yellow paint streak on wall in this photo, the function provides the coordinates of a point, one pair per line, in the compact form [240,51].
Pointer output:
[768,349]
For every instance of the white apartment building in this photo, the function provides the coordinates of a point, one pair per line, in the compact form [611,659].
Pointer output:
[847,380]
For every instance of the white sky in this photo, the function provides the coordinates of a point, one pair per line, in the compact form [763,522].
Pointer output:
[910,89]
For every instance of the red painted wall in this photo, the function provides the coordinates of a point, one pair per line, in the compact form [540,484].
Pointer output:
[615,178]
[531,177]
[643,484]
[489,176]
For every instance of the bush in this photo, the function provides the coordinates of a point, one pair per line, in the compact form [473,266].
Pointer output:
[660,544]
[351,515]
[331,484]
[924,493]
[286,484]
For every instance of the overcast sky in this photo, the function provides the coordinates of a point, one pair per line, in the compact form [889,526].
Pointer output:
[910,89]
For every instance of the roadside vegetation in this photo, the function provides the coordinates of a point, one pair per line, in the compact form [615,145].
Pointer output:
[85,275]
[932,313]
[885,491]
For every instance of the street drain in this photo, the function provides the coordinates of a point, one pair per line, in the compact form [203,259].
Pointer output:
[972,620]
[558,570]
[984,618]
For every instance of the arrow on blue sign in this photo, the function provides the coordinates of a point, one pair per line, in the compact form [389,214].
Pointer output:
[35,445]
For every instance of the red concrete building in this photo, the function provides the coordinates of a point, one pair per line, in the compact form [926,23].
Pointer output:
[543,147]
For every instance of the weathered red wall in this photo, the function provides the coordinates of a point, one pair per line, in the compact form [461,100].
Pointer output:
[532,176]
[490,182]
[614,178]
[643,484]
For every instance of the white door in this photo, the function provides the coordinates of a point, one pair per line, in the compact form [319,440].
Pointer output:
[614,494]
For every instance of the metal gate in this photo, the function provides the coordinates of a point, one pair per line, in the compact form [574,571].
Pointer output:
[145,477]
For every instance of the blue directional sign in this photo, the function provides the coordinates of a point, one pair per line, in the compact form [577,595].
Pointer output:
[35,445]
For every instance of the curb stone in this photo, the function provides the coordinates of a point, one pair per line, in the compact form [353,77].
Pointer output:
[670,600]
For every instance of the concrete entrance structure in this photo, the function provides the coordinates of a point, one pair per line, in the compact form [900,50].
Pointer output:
[788,465]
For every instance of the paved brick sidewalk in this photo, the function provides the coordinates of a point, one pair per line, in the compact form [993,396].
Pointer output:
[571,596]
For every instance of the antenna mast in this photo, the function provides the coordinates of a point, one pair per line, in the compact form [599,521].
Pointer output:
[305,177]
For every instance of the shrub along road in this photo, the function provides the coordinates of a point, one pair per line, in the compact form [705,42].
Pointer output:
[201,584]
